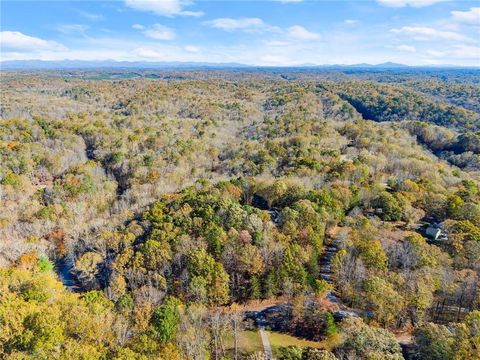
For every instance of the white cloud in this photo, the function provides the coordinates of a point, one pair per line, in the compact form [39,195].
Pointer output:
[452,26]
[350,22]
[277,43]
[21,42]
[91,16]
[422,33]
[73,28]
[436,53]
[467,52]
[463,52]
[299,32]
[160,32]
[471,17]
[156,31]
[168,8]
[407,48]
[149,53]
[275,60]
[258,25]
[245,24]
[412,3]
[192,49]
[289,1]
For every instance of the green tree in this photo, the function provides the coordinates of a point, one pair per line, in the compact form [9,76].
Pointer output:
[385,302]
[124,302]
[467,344]
[361,341]
[44,264]
[209,275]
[290,353]
[292,265]
[317,354]
[372,253]
[166,319]
[434,342]
[454,206]
[330,325]
[391,209]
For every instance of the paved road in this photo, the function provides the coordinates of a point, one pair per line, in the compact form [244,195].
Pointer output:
[266,343]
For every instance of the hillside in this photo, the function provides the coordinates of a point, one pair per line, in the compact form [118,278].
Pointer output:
[167,200]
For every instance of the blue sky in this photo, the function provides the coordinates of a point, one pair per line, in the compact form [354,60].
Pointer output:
[288,32]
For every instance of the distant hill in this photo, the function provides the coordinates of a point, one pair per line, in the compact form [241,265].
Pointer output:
[109,64]
[112,64]
[384,65]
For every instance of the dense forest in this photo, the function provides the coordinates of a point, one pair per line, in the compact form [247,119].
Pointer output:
[180,214]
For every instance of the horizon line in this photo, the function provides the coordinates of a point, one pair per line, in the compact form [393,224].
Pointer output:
[173,63]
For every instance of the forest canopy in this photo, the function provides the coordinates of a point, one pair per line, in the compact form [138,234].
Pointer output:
[174,216]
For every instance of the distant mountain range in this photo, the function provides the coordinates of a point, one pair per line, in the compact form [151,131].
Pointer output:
[111,64]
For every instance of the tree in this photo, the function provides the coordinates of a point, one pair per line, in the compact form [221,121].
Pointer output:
[317,354]
[391,209]
[385,302]
[372,253]
[194,335]
[361,341]
[467,342]
[236,317]
[43,331]
[87,265]
[330,325]
[454,206]
[67,326]
[44,264]
[166,319]
[124,302]
[434,342]
[290,353]
[292,268]
[207,277]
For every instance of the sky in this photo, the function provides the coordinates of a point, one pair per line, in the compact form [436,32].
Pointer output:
[267,33]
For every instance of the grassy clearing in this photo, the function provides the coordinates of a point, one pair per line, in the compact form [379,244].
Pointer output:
[278,340]
[248,342]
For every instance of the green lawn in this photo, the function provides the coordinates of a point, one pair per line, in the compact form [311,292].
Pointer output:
[250,342]
[278,340]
